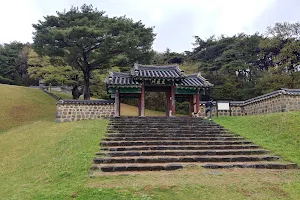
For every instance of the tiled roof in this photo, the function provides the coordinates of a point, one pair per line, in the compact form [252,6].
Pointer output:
[146,72]
[291,91]
[195,80]
[282,91]
[119,78]
[149,71]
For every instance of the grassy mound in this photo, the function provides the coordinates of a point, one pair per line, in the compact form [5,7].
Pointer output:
[279,132]
[21,105]
[41,159]
[48,160]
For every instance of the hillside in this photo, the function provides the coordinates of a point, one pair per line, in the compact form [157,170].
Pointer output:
[22,105]
[42,159]
[279,132]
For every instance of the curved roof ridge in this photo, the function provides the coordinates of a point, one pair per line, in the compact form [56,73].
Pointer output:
[156,66]
[174,66]
[191,75]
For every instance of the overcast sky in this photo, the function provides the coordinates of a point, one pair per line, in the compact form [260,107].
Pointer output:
[175,21]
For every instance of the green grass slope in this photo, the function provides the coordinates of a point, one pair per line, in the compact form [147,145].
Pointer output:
[48,160]
[279,132]
[22,105]
[42,159]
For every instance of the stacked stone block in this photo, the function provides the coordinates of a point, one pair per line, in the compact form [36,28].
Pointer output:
[71,110]
[292,103]
[278,101]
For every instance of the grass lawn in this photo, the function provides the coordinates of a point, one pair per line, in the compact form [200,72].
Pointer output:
[41,159]
[199,183]
[48,160]
[22,105]
[128,110]
[279,132]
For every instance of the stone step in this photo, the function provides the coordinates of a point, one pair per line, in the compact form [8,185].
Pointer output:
[178,147]
[164,124]
[182,152]
[161,119]
[175,166]
[167,127]
[165,131]
[155,118]
[171,138]
[171,142]
[170,135]
[159,123]
[165,159]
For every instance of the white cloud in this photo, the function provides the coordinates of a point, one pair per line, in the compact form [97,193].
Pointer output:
[175,21]
[16,19]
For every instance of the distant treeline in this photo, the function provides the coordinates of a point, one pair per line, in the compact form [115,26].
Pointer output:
[80,54]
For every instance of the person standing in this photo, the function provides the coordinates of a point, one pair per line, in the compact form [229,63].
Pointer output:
[208,109]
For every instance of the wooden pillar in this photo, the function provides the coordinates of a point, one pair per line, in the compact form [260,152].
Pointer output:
[191,105]
[117,103]
[142,100]
[167,103]
[173,99]
[194,103]
[139,106]
[197,102]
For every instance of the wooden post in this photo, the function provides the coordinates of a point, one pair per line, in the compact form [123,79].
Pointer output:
[142,102]
[167,103]
[197,102]
[117,103]
[173,99]
[191,105]
[194,103]
[139,106]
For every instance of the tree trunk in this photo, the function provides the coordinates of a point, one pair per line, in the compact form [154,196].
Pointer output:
[86,85]
[75,92]
[86,77]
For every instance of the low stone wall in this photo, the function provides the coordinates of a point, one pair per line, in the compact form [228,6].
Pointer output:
[270,105]
[236,110]
[75,110]
[292,103]
[278,101]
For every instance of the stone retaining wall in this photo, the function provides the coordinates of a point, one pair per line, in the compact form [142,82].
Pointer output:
[278,101]
[75,110]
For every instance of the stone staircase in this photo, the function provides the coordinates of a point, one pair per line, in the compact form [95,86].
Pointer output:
[164,143]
